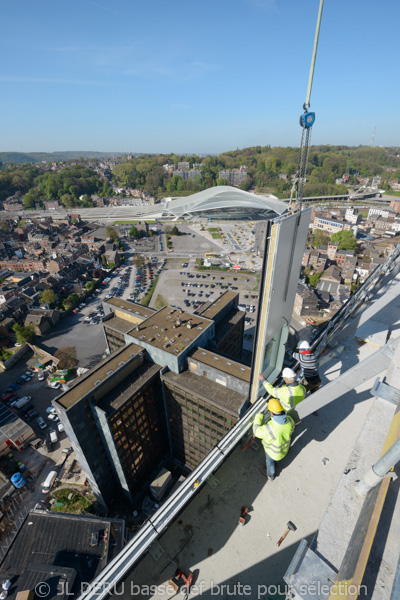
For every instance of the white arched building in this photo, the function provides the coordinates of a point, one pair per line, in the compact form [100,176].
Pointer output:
[223,202]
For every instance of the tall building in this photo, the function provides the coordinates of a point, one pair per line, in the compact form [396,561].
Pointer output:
[115,419]
[123,418]
[203,403]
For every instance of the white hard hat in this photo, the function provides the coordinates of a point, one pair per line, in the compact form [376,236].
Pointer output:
[304,345]
[288,373]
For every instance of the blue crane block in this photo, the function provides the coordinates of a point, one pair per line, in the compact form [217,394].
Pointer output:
[307,120]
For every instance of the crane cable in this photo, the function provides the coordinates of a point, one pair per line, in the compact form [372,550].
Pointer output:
[306,122]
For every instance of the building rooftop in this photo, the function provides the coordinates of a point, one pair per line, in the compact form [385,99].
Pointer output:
[127,388]
[212,311]
[227,365]
[130,307]
[80,545]
[162,330]
[86,383]
[211,392]
[118,324]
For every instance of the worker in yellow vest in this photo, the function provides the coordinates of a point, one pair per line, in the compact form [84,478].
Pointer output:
[275,436]
[289,394]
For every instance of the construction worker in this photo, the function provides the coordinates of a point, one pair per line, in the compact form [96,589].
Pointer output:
[290,394]
[309,366]
[275,436]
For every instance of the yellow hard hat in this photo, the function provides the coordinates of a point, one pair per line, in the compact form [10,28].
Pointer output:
[274,406]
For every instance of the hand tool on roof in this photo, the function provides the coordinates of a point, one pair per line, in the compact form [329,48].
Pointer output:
[188,581]
[289,527]
[244,512]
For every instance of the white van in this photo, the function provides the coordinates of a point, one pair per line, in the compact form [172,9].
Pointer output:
[46,485]
[53,436]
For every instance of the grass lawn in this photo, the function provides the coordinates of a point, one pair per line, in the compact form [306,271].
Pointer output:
[214,233]
[132,222]
[391,193]
[74,505]
[160,301]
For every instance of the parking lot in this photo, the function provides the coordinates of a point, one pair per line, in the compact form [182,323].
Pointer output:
[39,391]
[187,288]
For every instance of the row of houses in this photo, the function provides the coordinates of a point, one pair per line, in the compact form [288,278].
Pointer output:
[42,254]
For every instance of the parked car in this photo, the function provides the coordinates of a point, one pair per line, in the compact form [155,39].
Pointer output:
[53,436]
[42,424]
[40,375]
[55,385]
[60,427]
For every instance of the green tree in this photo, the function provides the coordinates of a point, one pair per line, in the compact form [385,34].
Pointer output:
[321,238]
[48,297]
[4,354]
[133,232]
[90,285]
[110,231]
[24,333]
[313,279]
[70,301]
[104,260]
[346,239]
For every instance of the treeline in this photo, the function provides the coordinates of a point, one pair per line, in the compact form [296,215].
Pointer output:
[71,187]
[269,170]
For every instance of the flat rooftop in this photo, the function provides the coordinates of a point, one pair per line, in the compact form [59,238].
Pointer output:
[168,330]
[118,324]
[212,311]
[213,393]
[82,543]
[130,307]
[226,365]
[128,387]
[84,384]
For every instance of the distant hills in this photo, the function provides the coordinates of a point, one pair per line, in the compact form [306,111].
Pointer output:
[34,157]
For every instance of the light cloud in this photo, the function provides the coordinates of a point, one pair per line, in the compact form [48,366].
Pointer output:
[23,79]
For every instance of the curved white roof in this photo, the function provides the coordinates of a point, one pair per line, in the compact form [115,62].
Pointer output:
[222,197]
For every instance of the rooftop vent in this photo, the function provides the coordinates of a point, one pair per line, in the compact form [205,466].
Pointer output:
[97,382]
[155,326]
[241,369]
[187,340]
[189,324]
[110,372]
[203,353]
[215,357]
[228,363]
[142,337]
[121,363]
[164,329]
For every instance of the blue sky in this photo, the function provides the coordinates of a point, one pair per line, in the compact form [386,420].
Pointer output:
[210,76]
